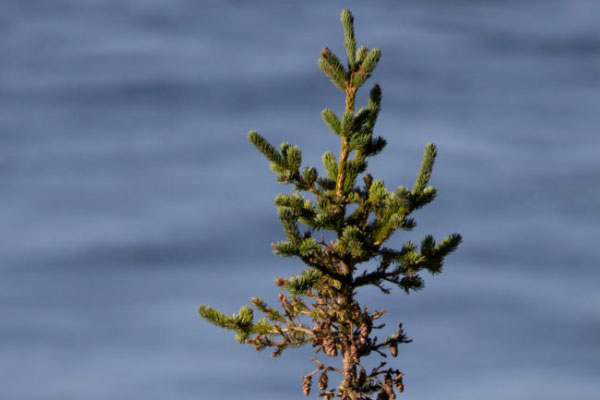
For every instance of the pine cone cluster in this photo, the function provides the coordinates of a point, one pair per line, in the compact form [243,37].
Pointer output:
[325,338]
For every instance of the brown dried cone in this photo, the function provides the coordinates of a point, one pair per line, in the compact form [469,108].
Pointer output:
[316,330]
[306,384]
[323,380]
[399,384]
[328,396]
[394,348]
[365,329]
[329,347]
[388,386]
[382,395]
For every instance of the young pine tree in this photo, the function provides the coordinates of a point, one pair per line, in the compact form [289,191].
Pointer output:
[319,306]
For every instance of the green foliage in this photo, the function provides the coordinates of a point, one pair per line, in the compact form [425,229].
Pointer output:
[352,242]
[241,322]
[330,165]
[361,53]
[330,279]
[299,285]
[349,40]
[333,69]
[332,121]
[377,192]
[426,168]
[310,175]
[285,249]
[265,148]
[347,123]
[370,62]
[374,106]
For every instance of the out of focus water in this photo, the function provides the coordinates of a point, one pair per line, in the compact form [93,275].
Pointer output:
[129,194]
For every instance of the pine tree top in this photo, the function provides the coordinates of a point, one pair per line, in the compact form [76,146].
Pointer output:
[320,306]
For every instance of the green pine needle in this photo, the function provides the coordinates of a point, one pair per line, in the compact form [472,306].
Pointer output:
[349,40]
[265,148]
[332,121]
[426,168]
[333,69]
[330,165]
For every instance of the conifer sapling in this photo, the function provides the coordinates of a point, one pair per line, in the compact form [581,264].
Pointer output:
[319,306]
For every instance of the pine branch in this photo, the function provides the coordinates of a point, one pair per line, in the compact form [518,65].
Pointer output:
[266,148]
[349,40]
[426,168]
[333,69]
[332,121]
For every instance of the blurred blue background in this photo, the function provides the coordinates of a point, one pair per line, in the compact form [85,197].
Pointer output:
[129,193]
